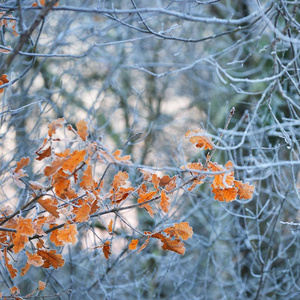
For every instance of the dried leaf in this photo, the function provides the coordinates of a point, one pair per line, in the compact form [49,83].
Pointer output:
[43,154]
[124,159]
[225,194]
[181,230]
[87,178]
[42,285]
[12,271]
[68,234]
[145,244]
[169,244]
[82,212]
[106,249]
[198,137]
[34,259]
[58,123]
[110,226]
[133,244]
[245,190]
[144,198]
[51,259]
[164,203]
[82,129]
[18,172]
[224,180]
[50,206]
[3,80]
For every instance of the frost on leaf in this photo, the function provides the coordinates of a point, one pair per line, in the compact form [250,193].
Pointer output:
[164,203]
[58,123]
[51,258]
[245,190]
[12,271]
[224,180]
[198,137]
[18,172]
[82,129]
[50,205]
[224,194]
[124,159]
[144,197]
[181,230]
[87,178]
[68,234]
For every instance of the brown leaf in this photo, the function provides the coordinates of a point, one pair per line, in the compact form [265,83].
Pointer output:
[68,234]
[110,225]
[245,190]
[87,178]
[106,249]
[51,259]
[181,230]
[50,206]
[198,137]
[82,129]
[12,271]
[43,154]
[164,203]
[58,123]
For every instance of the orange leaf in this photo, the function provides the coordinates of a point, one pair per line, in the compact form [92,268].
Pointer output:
[42,3]
[117,157]
[53,236]
[168,244]
[68,234]
[58,123]
[181,230]
[224,180]
[155,181]
[119,180]
[19,241]
[43,154]
[14,290]
[25,269]
[106,249]
[145,244]
[146,197]
[25,226]
[3,80]
[82,129]
[133,244]
[55,165]
[121,194]
[73,160]
[12,271]
[110,226]
[198,137]
[34,259]
[42,285]
[245,190]
[87,178]
[51,259]
[225,194]
[50,206]
[18,172]
[164,203]
[82,214]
